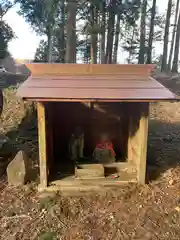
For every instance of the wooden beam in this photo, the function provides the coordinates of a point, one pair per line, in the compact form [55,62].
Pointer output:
[143,138]
[41,69]
[130,141]
[50,135]
[98,100]
[133,111]
[42,145]
[137,140]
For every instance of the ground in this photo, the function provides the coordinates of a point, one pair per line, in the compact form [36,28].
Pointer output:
[128,212]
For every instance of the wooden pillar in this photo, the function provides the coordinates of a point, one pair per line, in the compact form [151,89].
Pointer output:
[50,136]
[133,131]
[143,135]
[42,145]
[130,140]
[138,136]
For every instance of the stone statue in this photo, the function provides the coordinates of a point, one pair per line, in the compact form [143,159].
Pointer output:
[104,151]
[76,145]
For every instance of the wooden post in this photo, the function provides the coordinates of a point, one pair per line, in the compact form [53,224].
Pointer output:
[137,140]
[42,144]
[133,132]
[129,153]
[50,136]
[143,138]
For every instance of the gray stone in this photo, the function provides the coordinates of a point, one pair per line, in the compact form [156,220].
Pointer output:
[103,156]
[17,170]
[89,171]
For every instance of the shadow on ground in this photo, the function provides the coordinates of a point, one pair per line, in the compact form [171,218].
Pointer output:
[163,148]
[24,137]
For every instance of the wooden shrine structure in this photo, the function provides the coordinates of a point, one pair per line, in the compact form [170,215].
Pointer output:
[116,97]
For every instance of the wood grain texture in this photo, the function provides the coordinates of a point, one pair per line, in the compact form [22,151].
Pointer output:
[143,128]
[138,136]
[134,113]
[42,144]
[49,135]
[95,94]
[41,69]
[97,83]
[86,82]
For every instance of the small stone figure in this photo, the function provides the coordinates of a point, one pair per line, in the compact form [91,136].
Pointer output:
[104,151]
[76,146]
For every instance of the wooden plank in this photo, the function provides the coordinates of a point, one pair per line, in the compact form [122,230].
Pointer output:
[50,137]
[86,69]
[42,144]
[133,111]
[130,141]
[88,84]
[143,135]
[138,134]
[76,100]
[117,77]
[95,94]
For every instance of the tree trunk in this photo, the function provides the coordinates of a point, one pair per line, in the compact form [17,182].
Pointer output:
[131,46]
[177,48]
[86,52]
[62,33]
[110,35]
[166,37]
[103,32]
[151,33]
[173,36]
[143,33]
[71,32]
[94,38]
[50,44]
[116,43]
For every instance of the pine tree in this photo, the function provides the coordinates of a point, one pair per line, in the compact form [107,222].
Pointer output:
[143,33]
[173,36]
[151,33]
[71,32]
[177,48]
[164,66]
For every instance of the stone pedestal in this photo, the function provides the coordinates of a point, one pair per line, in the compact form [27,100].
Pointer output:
[89,171]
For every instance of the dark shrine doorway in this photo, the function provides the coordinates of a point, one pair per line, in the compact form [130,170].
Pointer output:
[94,118]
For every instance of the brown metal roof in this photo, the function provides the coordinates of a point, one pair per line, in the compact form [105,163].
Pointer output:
[80,82]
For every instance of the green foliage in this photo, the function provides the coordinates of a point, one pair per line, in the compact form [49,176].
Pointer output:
[47,17]
[6,33]
[95,29]
[40,14]
[83,50]
[5,5]
[41,52]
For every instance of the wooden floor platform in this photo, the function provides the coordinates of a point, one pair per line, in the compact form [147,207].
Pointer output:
[68,183]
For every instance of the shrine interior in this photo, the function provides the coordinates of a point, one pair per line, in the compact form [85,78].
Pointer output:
[95,120]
